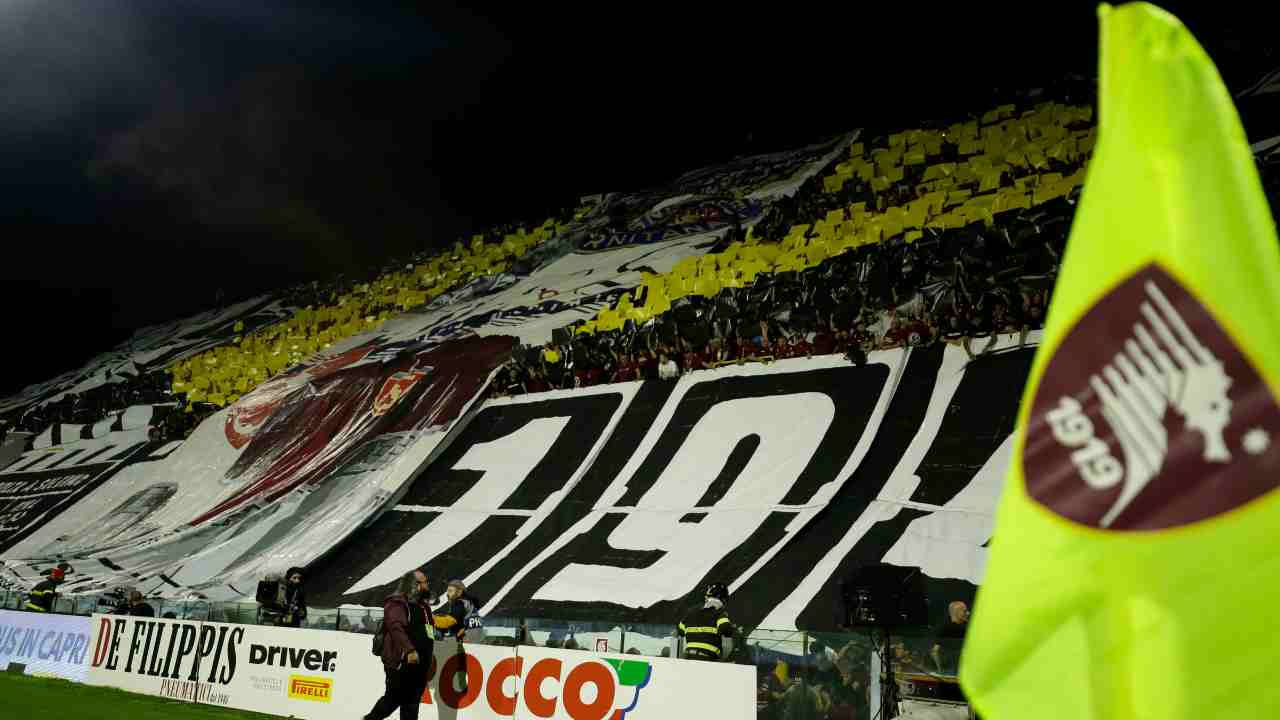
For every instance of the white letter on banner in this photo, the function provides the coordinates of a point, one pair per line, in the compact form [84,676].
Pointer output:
[948,542]
[894,496]
[506,462]
[790,428]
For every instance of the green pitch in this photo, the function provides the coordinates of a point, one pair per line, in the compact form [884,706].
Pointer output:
[29,697]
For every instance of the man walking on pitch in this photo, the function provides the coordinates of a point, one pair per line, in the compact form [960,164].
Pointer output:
[406,648]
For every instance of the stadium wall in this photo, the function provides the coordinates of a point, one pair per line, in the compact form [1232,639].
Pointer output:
[322,674]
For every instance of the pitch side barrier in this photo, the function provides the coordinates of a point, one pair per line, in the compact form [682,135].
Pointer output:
[320,675]
[512,667]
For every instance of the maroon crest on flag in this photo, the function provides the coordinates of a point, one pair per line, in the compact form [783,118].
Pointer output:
[1148,416]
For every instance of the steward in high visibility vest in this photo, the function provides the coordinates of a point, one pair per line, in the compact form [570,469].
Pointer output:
[708,633]
[42,595]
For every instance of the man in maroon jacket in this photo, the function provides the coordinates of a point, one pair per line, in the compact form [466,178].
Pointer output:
[406,649]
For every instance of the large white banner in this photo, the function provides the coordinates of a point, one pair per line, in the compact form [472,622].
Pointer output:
[269,483]
[531,683]
[622,502]
[588,686]
[319,675]
[48,645]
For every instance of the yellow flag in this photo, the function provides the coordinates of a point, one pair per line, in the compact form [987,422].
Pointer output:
[1135,566]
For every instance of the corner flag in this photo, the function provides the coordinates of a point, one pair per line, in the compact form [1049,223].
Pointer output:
[1135,567]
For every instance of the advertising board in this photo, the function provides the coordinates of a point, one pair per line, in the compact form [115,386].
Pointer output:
[318,675]
[48,645]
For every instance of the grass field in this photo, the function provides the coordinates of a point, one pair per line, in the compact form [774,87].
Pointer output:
[29,697]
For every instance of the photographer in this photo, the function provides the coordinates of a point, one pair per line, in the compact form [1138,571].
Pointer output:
[295,600]
[113,602]
[136,606]
[282,603]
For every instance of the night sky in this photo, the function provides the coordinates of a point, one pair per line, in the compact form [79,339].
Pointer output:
[152,152]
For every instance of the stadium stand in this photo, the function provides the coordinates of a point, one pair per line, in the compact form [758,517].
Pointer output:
[222,375]
[970,215]
[327,312]
[915,237]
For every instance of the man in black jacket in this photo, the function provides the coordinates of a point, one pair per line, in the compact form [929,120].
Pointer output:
[138,607]
[406,648]
[949,638]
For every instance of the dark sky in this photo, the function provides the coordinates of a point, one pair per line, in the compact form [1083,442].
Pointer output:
[153,151]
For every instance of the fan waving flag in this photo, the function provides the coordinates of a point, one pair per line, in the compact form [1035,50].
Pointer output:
[1135,564]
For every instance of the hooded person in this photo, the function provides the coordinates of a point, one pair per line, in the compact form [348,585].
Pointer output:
[407,648]
[295,598]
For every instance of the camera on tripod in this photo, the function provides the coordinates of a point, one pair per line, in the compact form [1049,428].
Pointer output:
[113,600]
[885,596]
[270,595]
[280,598]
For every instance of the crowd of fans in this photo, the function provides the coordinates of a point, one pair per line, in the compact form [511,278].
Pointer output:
[957,284]
[873,298]
[826,684]
[963,285]
[99,404]
[157,387]
[328,313]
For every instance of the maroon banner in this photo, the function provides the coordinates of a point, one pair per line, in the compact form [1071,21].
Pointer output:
[317,426]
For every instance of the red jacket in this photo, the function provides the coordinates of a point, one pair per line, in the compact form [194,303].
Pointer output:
[395,626]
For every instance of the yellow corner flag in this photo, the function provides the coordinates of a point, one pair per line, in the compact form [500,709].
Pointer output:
[1135,567]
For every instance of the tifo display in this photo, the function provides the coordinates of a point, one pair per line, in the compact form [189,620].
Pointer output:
[732,442]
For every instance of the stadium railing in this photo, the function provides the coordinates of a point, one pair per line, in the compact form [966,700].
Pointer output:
[816,674]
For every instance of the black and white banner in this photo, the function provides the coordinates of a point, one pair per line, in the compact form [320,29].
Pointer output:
[41,484]
[273,481]
[274,670]
[626,500]
[137,417]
